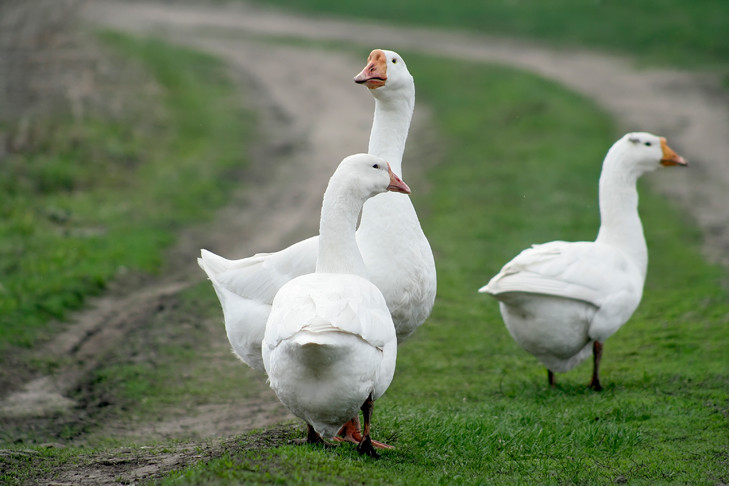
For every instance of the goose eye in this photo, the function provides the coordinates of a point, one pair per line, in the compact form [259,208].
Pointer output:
[647,144]
[394,61]
[376,166]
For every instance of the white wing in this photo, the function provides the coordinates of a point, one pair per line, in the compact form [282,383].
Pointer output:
[330,302]
[320,306]
[260,276]
[246,288]
[583,271]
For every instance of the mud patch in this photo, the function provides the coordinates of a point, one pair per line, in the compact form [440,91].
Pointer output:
[134,465]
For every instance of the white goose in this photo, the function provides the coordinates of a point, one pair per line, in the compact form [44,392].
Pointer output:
[330,347]
[562,300]
[400,264]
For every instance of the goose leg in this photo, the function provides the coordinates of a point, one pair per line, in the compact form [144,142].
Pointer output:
[313,438]
[350,432]
[550,378]
[596,357]
[365,447]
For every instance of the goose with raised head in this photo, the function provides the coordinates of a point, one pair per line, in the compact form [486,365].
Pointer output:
[561,300]
[330,347]
[406,273]
[401,265]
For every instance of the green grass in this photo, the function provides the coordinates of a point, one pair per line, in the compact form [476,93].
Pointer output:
[467,405]
[521,158]
[654,31]
[75,209]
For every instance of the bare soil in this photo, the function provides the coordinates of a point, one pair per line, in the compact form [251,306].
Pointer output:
[311,116]
[688,108]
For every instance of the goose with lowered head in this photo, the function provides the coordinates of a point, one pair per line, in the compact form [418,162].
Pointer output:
[561,300]
[401,265]
[330,346]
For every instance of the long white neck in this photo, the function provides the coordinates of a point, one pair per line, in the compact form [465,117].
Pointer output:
[338,251]
[393,113]
[390,127]
[620,224]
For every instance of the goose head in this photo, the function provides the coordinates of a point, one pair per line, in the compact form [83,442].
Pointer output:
[385,73]
[366,175]
[641,152]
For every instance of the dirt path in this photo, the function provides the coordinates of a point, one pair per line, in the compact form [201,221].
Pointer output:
[312,116]
[690,109]
[325,118]
[308,131]
[309,121]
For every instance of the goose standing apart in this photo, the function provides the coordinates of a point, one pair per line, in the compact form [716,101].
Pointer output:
[400,263]
[561,300]
[330,346]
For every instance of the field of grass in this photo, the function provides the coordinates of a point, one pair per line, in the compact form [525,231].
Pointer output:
[467,405]
[653,31]
[105,195]
[76,208]
[520,165]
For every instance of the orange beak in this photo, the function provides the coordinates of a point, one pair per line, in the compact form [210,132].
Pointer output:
[396,184]
[670,157]
[374,73]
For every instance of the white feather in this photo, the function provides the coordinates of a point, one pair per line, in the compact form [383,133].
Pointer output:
[558,298]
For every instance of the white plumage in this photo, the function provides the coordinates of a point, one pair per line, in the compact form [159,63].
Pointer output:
[246,289]
[405,273]
[330,346]
[330,343]
[561,300]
